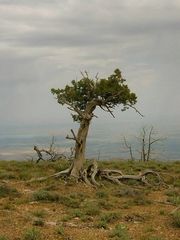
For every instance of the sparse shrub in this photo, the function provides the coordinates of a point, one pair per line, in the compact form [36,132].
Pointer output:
[102,224]
[176,219]
[6,191]
[72,200]
[38,222]
[174,199]
[46,196]
[31,234]
[60,231]
[119,232]
[77,213]
[69,202]
[110,217]
[91,209]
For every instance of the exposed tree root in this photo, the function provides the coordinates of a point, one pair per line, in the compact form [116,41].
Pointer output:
[90,175]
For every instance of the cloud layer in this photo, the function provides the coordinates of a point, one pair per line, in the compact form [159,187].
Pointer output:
[45,44]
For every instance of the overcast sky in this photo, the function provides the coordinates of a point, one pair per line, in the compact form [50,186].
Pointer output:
[46,43]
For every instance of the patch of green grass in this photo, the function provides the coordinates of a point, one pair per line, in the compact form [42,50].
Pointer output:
[177,182]
[77,213]
[174,199]
[110,217]
[120,233]
[176,219]
[102,224]
[73,200]
[32,234]
[127,192]
[102,194]
[6,191]
[7,175]
[45,196]
[105,204]
[60,231]
[91,209]
[107,218]
[3,237]
[139,200]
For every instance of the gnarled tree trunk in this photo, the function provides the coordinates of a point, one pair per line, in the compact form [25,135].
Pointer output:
[80,147]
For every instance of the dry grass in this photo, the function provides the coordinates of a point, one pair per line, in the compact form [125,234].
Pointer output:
[55,209]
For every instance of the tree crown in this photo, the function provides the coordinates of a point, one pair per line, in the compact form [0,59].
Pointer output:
[105,93]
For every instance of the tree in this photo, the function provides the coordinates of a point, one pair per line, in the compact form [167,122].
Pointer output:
[82,97]
[147,139]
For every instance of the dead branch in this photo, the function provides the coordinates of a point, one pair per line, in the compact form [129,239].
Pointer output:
[131,106]
[128,146]
[73,137]
[51,153]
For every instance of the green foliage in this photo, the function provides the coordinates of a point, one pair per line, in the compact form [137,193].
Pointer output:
[108,92]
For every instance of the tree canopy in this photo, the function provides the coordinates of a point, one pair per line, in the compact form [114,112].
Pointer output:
[105,93]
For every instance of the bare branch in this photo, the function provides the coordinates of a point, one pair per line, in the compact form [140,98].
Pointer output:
[73,138]
[110,111]
[131,106]
[96,77]
[128,146]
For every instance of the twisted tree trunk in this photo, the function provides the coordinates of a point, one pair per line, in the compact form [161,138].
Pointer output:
[80,147]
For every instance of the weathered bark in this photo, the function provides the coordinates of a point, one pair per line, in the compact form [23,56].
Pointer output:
[80,147]
[80,139]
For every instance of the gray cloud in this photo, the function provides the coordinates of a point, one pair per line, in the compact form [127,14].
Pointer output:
[45,44]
